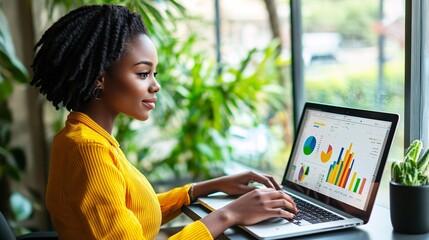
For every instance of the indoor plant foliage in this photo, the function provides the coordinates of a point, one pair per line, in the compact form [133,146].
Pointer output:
[414,169]
[15,206]
[409,191]
[208,104]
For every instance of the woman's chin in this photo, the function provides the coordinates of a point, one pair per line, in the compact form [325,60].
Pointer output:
[143,117]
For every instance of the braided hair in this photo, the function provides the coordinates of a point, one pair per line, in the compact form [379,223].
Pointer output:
[76,50]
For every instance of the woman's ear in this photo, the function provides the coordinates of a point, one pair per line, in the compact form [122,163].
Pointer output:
[101,80]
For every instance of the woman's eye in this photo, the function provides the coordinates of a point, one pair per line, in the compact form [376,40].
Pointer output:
[155,73]
[143,74]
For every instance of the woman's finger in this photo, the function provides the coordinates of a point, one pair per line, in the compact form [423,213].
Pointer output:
[280,195]
[279,212]
[283,204]
[274,182]
[262,179]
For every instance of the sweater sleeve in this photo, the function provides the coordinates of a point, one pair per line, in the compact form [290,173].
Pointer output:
[95,188]
[196,230]
[171,203]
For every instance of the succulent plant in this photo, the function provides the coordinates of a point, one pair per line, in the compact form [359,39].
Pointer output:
[413,170]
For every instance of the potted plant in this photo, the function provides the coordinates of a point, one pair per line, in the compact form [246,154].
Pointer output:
[409,191]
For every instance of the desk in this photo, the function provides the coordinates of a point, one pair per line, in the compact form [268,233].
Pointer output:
[378,228]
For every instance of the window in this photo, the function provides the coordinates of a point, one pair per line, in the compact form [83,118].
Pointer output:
[416,72]
[353,55]
[419,61]
[261,146]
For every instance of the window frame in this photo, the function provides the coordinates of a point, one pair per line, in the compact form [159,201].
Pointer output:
[297,69]
[415,84]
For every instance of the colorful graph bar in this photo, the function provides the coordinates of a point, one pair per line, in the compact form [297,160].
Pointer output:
[340,170]
[361,186]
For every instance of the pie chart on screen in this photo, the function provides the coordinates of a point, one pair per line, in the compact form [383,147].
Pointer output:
[309,145]
[325,156]
[302,173]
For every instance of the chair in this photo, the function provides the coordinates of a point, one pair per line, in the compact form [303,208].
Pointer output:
[6,233]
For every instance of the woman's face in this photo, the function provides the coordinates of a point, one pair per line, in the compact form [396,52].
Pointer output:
[130,86]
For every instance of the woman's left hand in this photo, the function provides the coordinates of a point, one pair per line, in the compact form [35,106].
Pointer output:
[239,184]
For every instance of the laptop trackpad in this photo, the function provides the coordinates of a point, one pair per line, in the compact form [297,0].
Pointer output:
[279,220]
[272,220]
[272,225]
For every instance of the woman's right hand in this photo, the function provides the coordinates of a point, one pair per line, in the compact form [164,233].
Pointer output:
[259,205]
[250,208]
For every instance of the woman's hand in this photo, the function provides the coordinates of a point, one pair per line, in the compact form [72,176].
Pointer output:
[261,204]
[254,206]
[251,208]
[236,184]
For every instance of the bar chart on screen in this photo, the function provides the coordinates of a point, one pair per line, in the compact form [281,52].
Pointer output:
[340,171]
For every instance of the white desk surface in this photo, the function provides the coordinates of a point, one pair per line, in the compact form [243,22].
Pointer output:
[379,227]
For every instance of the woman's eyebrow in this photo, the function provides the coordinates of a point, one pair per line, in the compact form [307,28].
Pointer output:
[145,63]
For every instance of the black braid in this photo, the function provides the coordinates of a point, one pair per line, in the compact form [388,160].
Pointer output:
[76,50]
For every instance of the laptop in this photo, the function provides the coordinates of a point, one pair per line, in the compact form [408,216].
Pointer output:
[334,171]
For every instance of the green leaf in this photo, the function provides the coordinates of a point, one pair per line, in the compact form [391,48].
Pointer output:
[179,7]
[5,90]
[156,14]
[413,151]
[5,134]
[396,171]
[5,114]
[424,161]
[21,206]
[9,164]
[11,66]
[205,149]
[19,156]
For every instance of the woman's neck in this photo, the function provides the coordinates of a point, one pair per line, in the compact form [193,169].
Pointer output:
[100,115]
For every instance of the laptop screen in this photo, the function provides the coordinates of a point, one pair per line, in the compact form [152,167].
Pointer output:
[340,153]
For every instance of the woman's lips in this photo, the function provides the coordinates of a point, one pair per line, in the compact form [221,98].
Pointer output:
[150,103]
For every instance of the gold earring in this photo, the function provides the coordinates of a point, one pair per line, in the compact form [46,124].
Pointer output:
[97,92]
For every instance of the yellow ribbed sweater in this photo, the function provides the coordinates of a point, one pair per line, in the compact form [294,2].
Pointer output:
[94,192]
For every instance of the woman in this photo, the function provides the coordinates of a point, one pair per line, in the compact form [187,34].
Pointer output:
[98,62]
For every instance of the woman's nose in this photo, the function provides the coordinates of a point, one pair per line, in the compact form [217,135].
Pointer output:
[155,87]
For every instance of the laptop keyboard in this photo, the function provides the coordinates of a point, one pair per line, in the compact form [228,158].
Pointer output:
[312,214]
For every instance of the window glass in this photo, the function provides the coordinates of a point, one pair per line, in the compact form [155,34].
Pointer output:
[266,145]
[263,143]
[353,55]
